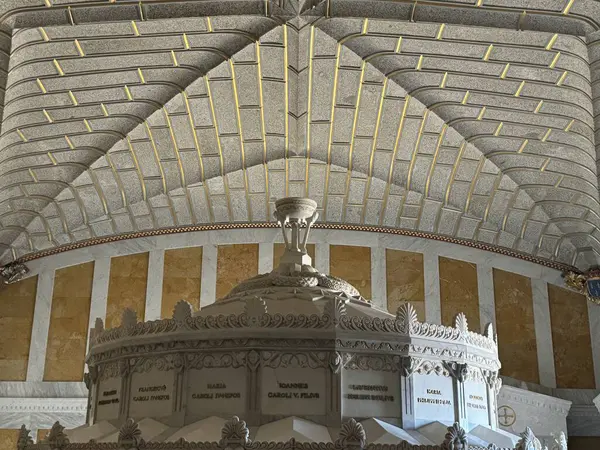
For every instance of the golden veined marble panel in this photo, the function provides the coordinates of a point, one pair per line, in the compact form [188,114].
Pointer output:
[69,318]
[515,326]
[127,287]
[181,279]
[235,263]
[405,280]
[459,292]
[352,264]
[571,339]
[17,303]
[8,438]
[278,253]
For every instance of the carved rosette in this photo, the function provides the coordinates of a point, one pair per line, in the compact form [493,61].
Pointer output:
[455,439]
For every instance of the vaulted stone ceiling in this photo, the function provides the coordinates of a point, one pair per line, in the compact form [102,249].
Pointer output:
[471,119]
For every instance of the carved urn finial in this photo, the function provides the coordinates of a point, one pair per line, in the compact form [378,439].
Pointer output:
[295,213]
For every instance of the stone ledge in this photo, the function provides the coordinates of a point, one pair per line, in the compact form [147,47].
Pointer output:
[53,405]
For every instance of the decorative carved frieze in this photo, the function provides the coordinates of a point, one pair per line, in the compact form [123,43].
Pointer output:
[312,360]
[11,273]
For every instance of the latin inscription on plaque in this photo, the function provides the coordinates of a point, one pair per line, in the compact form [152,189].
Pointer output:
[292,391]
[212,391]
[370,393]
[151,394]
[476,401]
[434,398]
[109,399]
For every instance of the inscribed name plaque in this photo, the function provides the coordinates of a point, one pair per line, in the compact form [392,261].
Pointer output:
[151,393]
[109,399]
[370,393]
[477,403]
[434,399]
[292,391]
[216,391]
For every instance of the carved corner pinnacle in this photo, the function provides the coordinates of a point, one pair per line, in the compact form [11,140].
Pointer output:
[24,438]
[130,435]
[57,438]
[575,280]
[455,439]
[13,272]
[234,433]
[352,435]
[560,441]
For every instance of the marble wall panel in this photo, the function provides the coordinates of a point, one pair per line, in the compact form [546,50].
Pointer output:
[459,291]
[515,326]
[126,287]
[405,280]
[182,278]
[17,303]
[235,263]
[571,340]
[69,318]
[279,248]
[353,264]
[8,439]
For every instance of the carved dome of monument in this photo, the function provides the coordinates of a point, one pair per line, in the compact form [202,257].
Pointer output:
[295,286]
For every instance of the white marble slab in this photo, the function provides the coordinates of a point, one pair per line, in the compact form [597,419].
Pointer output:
[321,262]
[154,285]
[543,333]
[265,257]
[41,325]
[99,292]
[431,269]
[208,285]
[485,290]
[43,389]
[378,277]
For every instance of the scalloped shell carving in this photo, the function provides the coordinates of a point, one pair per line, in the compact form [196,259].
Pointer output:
[234,432]
[352,434]
[455,439]
[182,311]
[130,434]
[461,324]
[406,314]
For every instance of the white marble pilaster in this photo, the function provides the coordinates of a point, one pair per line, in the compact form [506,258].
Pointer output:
[594,319]
[99,292]
[485,289]
[431,268]
[156,266]
[265,257]
[378,272]
[322,257]
[543,333]
[41,325]
[208,290]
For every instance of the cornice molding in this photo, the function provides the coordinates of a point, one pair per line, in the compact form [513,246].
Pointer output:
[323,226]
[50,405]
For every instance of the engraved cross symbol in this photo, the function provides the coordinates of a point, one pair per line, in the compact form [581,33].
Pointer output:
[506,416]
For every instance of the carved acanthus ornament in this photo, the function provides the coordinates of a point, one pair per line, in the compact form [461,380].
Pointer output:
[528,441]
[587,283]
[459,371]
[24,438]
[57,438]
[11,273]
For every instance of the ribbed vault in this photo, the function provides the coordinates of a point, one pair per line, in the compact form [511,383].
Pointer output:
[132,116]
